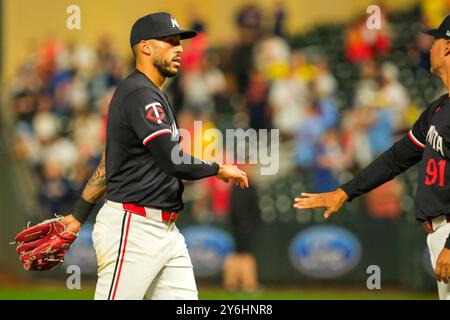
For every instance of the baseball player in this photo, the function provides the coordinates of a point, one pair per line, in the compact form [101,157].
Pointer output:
[428,142]
[140,251]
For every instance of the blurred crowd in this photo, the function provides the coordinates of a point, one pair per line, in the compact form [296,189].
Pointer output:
[59,100]
[61,93]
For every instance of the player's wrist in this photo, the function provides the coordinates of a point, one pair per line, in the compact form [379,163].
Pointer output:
[82,210]
[342,194]
[220,169]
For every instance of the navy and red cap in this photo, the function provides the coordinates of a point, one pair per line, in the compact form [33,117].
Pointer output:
[442,32]
[156,25]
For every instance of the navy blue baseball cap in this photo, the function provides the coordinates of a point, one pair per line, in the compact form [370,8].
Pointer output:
[156,25]
[442,32]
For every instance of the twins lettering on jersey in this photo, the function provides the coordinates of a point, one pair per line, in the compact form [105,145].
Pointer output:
[435,140]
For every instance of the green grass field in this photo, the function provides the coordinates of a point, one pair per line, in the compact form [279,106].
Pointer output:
[58,293]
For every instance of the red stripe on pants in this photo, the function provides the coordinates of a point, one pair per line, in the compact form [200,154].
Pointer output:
[123,255]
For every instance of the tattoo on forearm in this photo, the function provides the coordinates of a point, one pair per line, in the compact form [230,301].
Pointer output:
[96,186]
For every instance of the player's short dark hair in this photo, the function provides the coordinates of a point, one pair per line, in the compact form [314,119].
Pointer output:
[135,49]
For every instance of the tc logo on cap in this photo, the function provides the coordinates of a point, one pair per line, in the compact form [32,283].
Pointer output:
[174,22]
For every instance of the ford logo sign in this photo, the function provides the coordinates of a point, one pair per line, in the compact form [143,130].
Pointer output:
[208,248]
[325,252]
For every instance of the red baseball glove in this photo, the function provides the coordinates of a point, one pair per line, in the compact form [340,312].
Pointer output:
[42,247]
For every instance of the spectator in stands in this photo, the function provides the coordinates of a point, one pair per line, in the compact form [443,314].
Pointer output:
[301,67]
[249,19]
[279,20]
[272,56]
[318,117]
[241,61]
[419,52]
[394,96]
[324,81]
[201,86]
[248,22]
[55,193]
[194,52]
[356,49]
[24,106]
[257,102]
[362,43]
[367,84]
[287,98]
[330,160]
[240,267]
[213,201]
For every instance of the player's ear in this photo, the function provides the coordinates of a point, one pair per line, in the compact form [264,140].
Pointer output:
[145,47]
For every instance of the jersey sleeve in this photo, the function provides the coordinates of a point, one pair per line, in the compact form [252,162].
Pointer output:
[402,155]
[146,115]
[163,148]
[418,133]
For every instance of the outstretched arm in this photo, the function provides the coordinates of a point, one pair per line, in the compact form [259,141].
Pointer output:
[398,158]
[164,149]
[94,189]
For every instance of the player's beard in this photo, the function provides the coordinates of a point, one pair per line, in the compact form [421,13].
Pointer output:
[164,68]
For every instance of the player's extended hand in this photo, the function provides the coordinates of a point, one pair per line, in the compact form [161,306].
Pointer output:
[442,270]
[227,172]
[333,201]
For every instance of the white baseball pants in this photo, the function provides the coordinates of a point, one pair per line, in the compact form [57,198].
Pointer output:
[436,241]
[140,257]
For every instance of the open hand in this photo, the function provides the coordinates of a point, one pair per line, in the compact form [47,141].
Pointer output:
[332,201]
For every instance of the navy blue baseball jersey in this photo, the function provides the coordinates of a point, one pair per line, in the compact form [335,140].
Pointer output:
[427,144]
[138,113]
[431,132]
